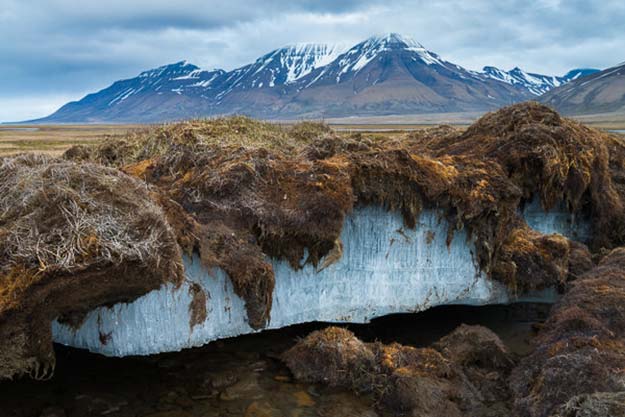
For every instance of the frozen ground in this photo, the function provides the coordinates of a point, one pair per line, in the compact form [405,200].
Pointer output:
[385,269]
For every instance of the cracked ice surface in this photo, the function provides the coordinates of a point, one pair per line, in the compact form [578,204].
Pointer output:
[385,269]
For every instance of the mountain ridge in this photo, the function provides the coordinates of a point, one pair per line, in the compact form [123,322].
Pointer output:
[384,74]
[602,92]
[537,84]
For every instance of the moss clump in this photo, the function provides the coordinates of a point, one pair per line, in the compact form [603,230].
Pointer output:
[581,349]
[464,375]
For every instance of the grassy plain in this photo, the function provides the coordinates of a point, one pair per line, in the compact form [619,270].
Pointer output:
[55,139]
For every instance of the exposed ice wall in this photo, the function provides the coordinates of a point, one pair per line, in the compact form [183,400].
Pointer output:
[557,220]
[385,268]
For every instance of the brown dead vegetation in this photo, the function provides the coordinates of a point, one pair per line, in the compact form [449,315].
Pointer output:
[72,237]
[544,154]
[464,374]
[581,349]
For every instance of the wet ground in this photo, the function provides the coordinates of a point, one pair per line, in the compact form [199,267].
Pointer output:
[238,377]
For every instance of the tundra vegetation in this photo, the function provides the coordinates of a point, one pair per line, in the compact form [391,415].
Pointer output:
[109,222]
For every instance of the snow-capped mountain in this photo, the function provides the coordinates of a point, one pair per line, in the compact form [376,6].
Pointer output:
[393,74]
[536,84]
[359,56]
[169,92]
[389,74]
[181,77]
[283,66]
[579,73]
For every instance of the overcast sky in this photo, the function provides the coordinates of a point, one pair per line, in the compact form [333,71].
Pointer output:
[53,51]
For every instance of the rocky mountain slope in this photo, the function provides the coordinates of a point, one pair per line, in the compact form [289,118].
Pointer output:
[389,74]
[537,84]
[603,92]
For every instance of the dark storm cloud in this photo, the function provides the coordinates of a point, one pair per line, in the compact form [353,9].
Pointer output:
[54,49]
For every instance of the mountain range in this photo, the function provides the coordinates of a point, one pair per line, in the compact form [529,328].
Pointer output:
[383,75]
[536,84]
[602,92]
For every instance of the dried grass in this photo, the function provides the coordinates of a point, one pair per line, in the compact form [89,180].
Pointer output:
[67,231]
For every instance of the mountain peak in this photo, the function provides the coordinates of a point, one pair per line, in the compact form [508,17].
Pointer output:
[395,40]
[369,50]
[175,69]
[536,84]
[576,73]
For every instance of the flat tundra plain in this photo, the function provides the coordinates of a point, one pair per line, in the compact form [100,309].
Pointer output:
[56,139]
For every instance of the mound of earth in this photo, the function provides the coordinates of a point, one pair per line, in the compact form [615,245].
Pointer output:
[238,192]
[72,236]
[575,369]
[579,359]
[464,374]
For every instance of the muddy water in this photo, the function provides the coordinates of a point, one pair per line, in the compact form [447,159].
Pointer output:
[237,377]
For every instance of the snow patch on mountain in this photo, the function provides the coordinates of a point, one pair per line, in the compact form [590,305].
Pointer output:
[301,60]
[536,84]
[362,54]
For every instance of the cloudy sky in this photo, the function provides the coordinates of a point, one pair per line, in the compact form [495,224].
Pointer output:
[53,51]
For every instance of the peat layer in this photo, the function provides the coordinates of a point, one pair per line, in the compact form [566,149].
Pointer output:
[82,232]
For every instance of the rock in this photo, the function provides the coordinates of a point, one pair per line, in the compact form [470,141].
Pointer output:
[246,388]
[262,409]
[259,366]
[223,379]
[303,399]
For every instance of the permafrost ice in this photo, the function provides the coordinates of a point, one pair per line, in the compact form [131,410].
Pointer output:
[385,268]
